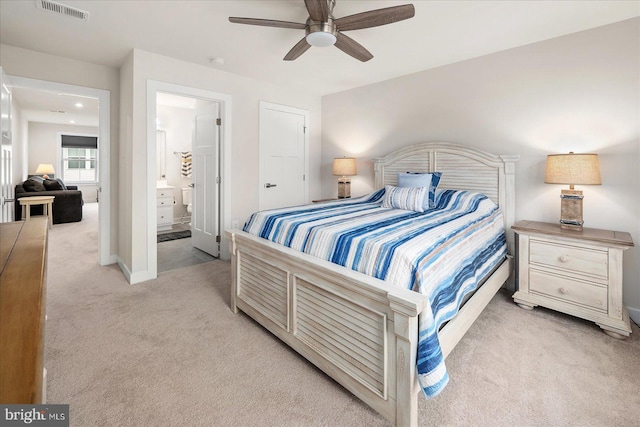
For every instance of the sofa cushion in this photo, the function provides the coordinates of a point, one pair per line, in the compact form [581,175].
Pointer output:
[32,185]
[64,187]
[52,185]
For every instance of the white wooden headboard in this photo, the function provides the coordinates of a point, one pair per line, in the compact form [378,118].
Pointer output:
[462,167]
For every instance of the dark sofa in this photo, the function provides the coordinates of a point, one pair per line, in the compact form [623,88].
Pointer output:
[67,206]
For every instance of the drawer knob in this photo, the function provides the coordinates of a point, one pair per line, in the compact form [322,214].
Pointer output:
[564,258]
[563,291]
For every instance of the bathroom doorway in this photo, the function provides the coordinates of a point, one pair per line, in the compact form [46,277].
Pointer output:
[181,230]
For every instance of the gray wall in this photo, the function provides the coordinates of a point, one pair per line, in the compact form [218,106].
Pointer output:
[574,93]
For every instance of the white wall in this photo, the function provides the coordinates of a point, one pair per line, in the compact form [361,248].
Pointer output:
[36,65]
[245,93]
[125,167]
[574,93]
[19,132]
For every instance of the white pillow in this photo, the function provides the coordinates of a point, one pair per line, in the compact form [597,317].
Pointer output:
[419,179]
[407,198]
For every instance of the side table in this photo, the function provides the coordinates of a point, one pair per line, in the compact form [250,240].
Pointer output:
[45,201]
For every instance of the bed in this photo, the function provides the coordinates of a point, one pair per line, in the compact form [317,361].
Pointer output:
[360,330]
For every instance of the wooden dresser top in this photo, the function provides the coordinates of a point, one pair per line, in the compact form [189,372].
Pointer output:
[620,238]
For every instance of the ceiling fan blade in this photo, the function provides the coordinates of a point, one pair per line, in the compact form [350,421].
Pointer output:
[301,47]
[267,23]
[352,47]
[318,9]
[375,18]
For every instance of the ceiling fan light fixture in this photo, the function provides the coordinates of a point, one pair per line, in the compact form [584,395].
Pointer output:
[322,29]
[321,39]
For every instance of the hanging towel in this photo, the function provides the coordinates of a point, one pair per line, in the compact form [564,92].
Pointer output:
[186,164]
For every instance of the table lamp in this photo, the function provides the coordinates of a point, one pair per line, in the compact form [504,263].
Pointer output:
[572,169]
[344,168]
[44,169]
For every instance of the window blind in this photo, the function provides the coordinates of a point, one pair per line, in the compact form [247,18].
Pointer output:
[75,141]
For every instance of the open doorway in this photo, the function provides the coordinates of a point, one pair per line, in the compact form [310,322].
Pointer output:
[40,100]
[209,159]
[184,239]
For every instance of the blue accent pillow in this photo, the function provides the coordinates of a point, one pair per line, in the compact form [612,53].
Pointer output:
[418,179]
[407,198]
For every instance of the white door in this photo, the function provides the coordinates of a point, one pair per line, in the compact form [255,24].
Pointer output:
[6,187]
[283,163]
[206,179]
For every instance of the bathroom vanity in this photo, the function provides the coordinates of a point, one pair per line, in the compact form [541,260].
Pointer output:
[164,205]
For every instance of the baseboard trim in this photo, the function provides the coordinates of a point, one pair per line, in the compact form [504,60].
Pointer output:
[111,259]
[125,270]
[634,314]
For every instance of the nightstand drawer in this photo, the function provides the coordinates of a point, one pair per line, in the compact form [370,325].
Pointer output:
[569,290]
[569,258]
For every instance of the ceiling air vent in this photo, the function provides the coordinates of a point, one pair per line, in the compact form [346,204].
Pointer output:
[62,9]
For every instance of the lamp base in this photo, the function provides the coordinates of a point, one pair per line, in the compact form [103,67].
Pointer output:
[344,188]
[571,210]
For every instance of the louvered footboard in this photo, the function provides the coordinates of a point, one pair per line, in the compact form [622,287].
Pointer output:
[349,325]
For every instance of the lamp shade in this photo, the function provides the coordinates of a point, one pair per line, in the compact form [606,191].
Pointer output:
[344,166]
[45,168]
[571,169]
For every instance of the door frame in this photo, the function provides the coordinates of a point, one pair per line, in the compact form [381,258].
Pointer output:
[287,109]
[105,257]
[153,87]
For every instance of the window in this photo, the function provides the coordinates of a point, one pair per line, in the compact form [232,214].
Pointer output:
[79,158]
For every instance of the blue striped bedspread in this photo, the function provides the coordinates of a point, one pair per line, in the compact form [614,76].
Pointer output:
[443,253]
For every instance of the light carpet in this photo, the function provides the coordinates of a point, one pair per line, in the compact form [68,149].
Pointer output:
[169,352]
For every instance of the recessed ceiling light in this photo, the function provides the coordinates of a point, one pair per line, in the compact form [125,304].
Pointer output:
[79,104]
[72,121]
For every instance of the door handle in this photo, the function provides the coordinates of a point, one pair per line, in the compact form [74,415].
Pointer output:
[192,185]
[268,185]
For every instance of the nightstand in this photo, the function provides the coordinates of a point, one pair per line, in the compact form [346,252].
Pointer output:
[575,272]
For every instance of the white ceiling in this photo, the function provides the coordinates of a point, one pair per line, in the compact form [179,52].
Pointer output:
[51,107]
[442,32]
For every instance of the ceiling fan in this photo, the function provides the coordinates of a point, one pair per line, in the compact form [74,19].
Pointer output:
[322,29]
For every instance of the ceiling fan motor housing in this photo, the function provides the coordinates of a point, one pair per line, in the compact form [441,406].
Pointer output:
[321,34]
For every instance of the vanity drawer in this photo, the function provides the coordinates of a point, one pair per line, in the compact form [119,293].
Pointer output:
[165,215]
[165,201]
[569,290]
[164,192]
[576,259]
